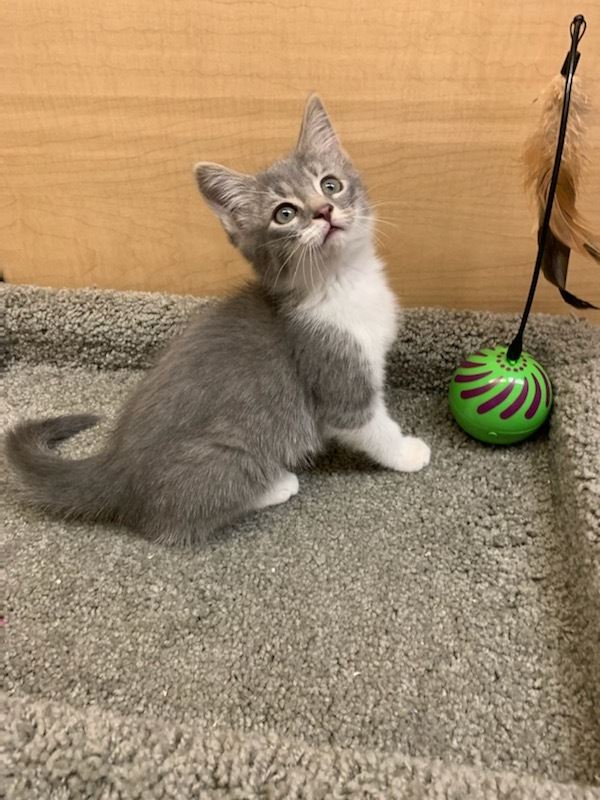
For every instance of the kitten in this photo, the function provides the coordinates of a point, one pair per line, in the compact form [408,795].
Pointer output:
[254,388]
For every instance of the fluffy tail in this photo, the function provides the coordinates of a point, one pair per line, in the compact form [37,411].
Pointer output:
[73,488]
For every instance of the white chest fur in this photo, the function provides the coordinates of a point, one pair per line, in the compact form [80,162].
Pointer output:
[360,304]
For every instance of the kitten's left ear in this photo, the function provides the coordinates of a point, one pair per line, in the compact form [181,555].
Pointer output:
[227,192]
[317,134]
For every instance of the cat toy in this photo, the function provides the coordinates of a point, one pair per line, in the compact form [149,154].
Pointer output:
[502,395]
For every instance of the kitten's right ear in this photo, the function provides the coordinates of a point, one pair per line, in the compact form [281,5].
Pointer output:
[226,192]
[317,133]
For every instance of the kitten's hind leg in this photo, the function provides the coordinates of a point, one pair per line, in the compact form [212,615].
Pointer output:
[279,492]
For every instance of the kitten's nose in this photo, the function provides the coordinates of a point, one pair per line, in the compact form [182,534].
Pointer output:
[324,212]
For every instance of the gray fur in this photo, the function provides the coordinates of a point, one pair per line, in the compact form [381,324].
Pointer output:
[246,393]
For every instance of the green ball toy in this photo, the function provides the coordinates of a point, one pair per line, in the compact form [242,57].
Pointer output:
[498,400]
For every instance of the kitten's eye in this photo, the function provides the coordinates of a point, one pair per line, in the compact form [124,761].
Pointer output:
[331,185]
[284,213]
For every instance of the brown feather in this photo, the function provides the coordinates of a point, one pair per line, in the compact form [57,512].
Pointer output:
[568,230]
[555,262]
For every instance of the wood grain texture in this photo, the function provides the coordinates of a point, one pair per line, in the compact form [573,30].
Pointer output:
[104,108]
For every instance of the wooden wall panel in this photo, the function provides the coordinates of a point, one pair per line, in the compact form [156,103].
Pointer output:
[104,107]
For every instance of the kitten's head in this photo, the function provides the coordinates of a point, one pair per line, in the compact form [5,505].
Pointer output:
[295,219]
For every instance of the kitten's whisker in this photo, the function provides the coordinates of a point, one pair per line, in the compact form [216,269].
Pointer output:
[393,201]
[390,220]
[302,259]
[314,259]
[310,269]
[285,263]
[385,234]
[379,205]
[376,220]
[321,259]
[376,224]
[274,242]
[292,256]
[314,267]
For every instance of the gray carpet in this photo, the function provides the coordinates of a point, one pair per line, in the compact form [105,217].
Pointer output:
[381,635]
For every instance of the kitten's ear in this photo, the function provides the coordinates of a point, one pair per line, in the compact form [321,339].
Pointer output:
[227,192]
[317,134]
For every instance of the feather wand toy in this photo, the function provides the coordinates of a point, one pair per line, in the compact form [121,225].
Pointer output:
[567,231]
[503,395]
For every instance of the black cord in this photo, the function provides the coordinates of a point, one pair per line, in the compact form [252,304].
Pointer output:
[577,29]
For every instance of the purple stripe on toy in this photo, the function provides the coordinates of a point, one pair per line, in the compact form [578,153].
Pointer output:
[471,378]
[470,364]
[535,403]
[548,388]
[466,394]
[496,399]
[516,405]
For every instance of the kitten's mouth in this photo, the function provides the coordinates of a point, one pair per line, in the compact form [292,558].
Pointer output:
[333,230]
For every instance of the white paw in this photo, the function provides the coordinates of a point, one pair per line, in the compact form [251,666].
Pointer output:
[287,486]
[291,482]
[414,455]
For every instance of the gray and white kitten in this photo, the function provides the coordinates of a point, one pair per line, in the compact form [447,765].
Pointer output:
[254,388]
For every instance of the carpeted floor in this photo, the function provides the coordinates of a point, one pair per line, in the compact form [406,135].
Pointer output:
[381,635]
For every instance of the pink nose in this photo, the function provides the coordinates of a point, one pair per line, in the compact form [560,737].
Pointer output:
[324,212]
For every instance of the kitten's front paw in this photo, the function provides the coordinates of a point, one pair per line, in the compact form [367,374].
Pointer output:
[414,455]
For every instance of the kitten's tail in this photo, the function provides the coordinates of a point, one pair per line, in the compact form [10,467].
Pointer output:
[70,487]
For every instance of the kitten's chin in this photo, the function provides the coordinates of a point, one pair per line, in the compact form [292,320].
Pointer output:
[335,235]
[348,238]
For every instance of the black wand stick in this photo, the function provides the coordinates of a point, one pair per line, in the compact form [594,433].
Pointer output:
[578,27]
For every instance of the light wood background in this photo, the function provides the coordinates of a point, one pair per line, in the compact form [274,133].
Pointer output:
[105,106]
